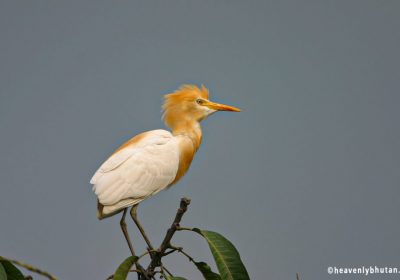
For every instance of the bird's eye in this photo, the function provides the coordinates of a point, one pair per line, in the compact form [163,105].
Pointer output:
[199,101]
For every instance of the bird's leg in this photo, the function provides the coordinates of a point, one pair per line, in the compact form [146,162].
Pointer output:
[125,231]
[139,226]
[128,240]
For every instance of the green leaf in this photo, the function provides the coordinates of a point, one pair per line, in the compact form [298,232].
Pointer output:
[122,271]
[175,278]
[3,275]
[227,258]
[12,272]
[208,274]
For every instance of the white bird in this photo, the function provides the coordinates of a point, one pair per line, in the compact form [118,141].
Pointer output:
[156,159]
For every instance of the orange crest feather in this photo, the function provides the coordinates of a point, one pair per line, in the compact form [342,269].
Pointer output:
[174,102]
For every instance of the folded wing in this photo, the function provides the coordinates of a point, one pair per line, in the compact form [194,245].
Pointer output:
[140,168]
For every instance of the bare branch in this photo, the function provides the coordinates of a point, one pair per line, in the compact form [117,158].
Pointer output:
[180,250]
[157,255]
[156,258]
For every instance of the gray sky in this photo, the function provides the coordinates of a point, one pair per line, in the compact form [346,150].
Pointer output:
[305,177]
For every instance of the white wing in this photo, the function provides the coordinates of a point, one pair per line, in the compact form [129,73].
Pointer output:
[142,167]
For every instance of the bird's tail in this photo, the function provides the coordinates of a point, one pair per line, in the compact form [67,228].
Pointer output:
[105,211]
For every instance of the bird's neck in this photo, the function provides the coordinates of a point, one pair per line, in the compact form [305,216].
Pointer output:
[189,139]
[190,130]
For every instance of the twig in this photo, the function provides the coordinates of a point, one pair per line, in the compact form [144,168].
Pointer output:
[180,250]
[170,274]
[184,228]
[132,270]
[156,258]
[169,252]
[186,255]
[146,253]
[30,267]
[162,272]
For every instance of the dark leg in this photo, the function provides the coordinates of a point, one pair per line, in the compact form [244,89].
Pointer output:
[139,226]
[128,240]
[125,231]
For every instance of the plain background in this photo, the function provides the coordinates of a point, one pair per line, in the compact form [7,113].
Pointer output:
[305,177]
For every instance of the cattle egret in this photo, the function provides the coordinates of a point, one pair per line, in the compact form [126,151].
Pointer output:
[156,159]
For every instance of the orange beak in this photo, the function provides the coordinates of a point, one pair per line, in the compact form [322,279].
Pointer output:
[220,107]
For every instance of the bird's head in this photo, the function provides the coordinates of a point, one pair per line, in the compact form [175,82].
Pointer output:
[190,103]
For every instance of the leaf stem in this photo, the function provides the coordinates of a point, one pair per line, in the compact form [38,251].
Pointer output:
[30,267]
